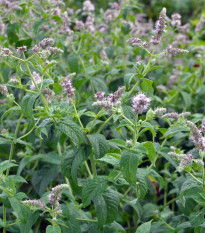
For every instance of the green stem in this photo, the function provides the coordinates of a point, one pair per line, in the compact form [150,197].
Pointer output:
[167,224]
[96,119]
[125,194]
[203,178]
[117,176]
[10,158]
[195,178]
[86,220]
[30,130]
[170,202]
[4,217]
[88,169]
[127,119]
[78,116]
[93,164]
[110,118]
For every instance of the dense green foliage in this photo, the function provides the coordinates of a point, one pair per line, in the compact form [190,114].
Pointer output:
[102,116]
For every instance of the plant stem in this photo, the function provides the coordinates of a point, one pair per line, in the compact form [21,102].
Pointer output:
[10,158]
[118,176]
[86,220]
[127,119]
[110,118]
[93,164]
[88,169]
[169,226]
[30,130]
[195,178]
[125,194]
[96,119]
[4,217]
[78,116]
[13,143]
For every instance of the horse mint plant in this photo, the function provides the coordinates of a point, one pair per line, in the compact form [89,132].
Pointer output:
[102,116]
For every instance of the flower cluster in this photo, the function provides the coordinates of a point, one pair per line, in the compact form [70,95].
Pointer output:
[160,28]
[175,115]
[140,103]
[3,90]
[55,196]
[35,203]
[67,85]
[175,51]
[37,79]
[196,136]
[159,111]
[135,41]
[111,101]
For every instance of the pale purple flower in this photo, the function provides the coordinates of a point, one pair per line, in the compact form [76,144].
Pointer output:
[171,115]
[21,49]
[88,6]
[35,203]
[160,111]
[200,24]
[176,20]
[67,87]
[46,43]
[3,90]
[37,79]
[100,95]
[175,51]
[140,103]
[35,49]
[160,28]
[196,136]
[79,25]
[203,126]
[55,194]
[135,41]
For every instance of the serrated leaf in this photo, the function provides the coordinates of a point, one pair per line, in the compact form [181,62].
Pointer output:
[72,225]
[128,166]
[53,229]
[177,129]
[72,130]
[16,108]
[147,87]
[144,228]
[99,143]
[5,165]
[93,187]
[106,206]
[80,154]
[27,104]
[151,151]
[99,84]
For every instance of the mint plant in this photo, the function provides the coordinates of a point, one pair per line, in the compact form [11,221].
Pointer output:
[102,119]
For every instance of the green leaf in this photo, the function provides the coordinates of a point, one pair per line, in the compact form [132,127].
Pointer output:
[100,144]
[187,98]
[73,63]
[4,141]
[151,151]
[57,88]
[72,225]
[79,154]
[43,177]
[147,87]
[144,228]
[12,30]
[16,108]
[128,166]
[72,130]
[53,229]
[27,219]
[106,206]
[99,84]
[53,63]
[27,104]
[5,165]
[93,187]
[173,131]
